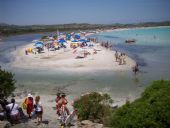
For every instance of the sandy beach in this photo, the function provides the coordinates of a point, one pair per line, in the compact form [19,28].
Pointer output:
[65,59]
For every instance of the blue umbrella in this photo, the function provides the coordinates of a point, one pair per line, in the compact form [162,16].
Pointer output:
[83,40]
[74,41]
[39,43]
[77,36]
[61,41]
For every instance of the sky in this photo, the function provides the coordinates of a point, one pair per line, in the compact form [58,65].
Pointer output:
[31,12]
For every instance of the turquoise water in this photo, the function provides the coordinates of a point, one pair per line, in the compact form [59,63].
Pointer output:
[151,51]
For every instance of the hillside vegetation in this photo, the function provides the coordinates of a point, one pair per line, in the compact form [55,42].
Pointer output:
[7,30]
[152,110]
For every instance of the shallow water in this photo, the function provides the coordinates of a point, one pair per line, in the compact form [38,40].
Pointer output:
[151,51]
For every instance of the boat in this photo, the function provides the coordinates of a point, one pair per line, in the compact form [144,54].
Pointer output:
[130,41]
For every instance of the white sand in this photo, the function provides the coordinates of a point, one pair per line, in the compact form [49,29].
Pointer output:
[65,60]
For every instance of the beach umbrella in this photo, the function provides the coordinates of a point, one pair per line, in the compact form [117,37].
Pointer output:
[49,42]
[68,36]
[83,40]
[34,41]
[74,41]
[77,36]
[39,44]
[61,41]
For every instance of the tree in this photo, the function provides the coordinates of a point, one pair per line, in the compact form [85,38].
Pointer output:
[152,110]
[7,83]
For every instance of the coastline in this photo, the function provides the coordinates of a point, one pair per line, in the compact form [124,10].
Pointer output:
[132,28]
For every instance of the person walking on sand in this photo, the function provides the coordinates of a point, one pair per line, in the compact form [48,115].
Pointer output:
[63,110]
[116,56]
[38,109]
[63,101]
[124,58]
[26,52]
[29,103]
[120,59]
[57,105]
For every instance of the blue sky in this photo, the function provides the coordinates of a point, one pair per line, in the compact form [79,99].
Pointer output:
[28,12]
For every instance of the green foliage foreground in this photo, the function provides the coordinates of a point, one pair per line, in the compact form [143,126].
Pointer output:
[152,110]
[94,106]
[7,83]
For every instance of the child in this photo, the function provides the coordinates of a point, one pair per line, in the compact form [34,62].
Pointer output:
[38,109]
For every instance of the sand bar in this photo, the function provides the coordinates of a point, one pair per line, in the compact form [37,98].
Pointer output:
[65,59]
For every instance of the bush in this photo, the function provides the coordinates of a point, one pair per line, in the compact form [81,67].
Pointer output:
[55,36]
[152,110]
[94,106]
[44,37]
[6,83]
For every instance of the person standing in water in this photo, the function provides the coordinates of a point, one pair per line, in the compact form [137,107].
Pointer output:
[136,68]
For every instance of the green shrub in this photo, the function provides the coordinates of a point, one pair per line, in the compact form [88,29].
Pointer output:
[55,36]
[94,106]
[152,110]
[44,37]
[6,83]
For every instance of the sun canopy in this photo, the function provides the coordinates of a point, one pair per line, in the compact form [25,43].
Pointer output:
[77,36]
[74,41]
[49,42]
[39,44]
[83,40]
[61,41]
[34,41]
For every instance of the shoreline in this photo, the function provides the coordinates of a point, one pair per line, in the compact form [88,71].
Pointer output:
[132,28]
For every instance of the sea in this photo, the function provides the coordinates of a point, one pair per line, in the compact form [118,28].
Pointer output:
[151,51]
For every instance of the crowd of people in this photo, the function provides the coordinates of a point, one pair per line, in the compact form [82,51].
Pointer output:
[120,58]
[107,45]
[11,111]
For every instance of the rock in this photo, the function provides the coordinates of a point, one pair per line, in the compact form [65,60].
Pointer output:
[96,121]
[98,125]
[114,106]
[90,124]
[4,124]
[86,122]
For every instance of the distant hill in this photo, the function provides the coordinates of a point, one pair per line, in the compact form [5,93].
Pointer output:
[6,29]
